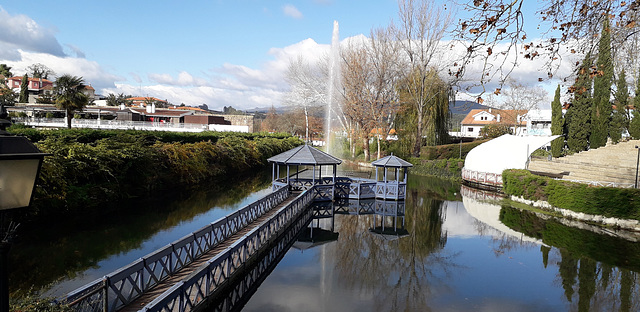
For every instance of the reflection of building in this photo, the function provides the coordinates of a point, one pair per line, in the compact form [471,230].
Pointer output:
[479,204]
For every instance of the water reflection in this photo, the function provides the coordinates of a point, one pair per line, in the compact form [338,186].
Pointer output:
[451,250]
[60,257]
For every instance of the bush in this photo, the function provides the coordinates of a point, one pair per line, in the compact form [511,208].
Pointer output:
[578,197]
[449,151]
[444,168]
[91,167]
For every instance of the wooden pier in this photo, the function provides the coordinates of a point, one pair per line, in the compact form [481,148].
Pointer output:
[170,275]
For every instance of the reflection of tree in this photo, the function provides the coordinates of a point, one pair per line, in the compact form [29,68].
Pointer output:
[587,280]
[400,274]
[73,247]
[600,270]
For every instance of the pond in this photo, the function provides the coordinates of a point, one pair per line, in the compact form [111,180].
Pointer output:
[447,250]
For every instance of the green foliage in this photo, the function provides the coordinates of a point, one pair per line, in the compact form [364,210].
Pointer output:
[24,89]
[442,168]
[606,201]
[494,131]
[447,151]
[601,111]
[69,95]
[34,303]
[579,114]
[620,120]
[90,167]
[634,125]
[557,125]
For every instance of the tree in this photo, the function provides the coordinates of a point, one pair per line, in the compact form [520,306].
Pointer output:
[117,100]
[495,33]
[5,71]
[7,96]
[24,89]
[601,111]
[40,71]
[634,124]
[494,131]
[308,88]
[557,125]
[519,99]
[69,96]
[421,27]
[619,120]
[579,114]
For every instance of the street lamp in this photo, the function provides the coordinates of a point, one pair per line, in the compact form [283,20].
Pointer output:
[20,163]
[637,163]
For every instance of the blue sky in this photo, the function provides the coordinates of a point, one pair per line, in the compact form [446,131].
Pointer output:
[221,53]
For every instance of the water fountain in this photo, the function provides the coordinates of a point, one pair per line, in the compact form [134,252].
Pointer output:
[334,72]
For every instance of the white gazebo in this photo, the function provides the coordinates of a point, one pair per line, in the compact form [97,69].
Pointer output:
[388,185]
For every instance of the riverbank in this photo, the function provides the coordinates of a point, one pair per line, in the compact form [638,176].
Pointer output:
[608,206]
[88,168]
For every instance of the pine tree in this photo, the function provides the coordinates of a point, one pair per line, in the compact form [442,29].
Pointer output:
[579,114]
[557,125]
[601,112]
[24,89]
[619,120]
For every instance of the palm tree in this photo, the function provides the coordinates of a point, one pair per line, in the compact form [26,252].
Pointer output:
[68,95]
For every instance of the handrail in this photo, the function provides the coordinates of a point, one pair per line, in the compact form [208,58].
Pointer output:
[209,277]
[121,287]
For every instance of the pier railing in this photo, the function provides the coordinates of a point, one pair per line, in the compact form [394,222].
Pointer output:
[127,284]
[210,277]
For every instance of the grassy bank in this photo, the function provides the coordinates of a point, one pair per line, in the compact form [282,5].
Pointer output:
[89,168]
[443,168]
[578,197]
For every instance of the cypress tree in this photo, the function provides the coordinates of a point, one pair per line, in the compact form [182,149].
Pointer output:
[579,114]
[24,89]
[557,125]
[601,112]
[619,120]
[634,124]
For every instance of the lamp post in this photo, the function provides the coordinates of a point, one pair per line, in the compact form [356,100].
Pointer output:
[20,163]
[637,163]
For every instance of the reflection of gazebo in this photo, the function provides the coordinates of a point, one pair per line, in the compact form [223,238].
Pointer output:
[303,155]
[391,184]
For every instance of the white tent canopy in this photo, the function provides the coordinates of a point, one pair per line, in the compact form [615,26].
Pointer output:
[504,152]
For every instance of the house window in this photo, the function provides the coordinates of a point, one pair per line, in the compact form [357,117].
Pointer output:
[469,129]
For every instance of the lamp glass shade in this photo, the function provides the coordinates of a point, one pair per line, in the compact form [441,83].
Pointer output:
[17,180]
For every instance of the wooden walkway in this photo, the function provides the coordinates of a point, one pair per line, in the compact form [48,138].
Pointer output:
[164,285]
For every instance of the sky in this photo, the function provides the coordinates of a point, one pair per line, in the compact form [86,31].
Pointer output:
[217,52]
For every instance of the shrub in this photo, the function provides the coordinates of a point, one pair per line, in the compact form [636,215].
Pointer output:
[606,201]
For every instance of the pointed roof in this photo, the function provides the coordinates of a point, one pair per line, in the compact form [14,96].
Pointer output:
[391,161]
[305,155]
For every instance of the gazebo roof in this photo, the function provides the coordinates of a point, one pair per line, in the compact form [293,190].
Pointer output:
[392,161]
[305,155]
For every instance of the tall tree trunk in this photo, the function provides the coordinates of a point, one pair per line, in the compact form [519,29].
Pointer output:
[306,120]
[69,117]
[418,144]
[365,144]
[378,147]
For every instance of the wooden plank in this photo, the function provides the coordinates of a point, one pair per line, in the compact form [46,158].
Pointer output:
[177,277]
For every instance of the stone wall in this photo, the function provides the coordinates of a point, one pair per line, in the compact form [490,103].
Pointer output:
[239,120]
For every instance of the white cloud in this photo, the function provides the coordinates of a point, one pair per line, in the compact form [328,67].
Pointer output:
[291,11]
[91,71]
[20,32]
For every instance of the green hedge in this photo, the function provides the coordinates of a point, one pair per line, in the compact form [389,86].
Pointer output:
[443,168]
[91,167]
[606,201]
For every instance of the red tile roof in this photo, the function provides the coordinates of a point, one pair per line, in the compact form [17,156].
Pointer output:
[507,116]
